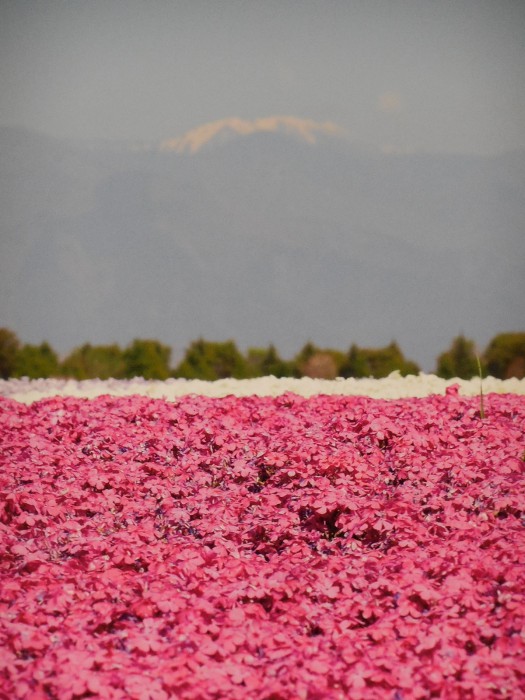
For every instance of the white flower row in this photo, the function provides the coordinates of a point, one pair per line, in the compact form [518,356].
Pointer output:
[392,387]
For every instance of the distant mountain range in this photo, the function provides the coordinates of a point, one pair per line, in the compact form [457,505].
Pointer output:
[276,230]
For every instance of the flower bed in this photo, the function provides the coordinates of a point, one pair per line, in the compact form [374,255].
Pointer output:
[392,387]
[273,548]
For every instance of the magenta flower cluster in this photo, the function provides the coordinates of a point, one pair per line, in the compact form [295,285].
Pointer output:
[267,548]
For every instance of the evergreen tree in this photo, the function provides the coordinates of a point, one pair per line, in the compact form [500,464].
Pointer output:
[355,363]
[458,361]
[37,362]
[377,362]
[265,362]
[384,361]
[9,349]
[147,358]
[94,361]
[505,356]
[212,360]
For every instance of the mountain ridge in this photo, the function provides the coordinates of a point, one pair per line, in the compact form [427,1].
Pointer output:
[266,239]
[198,137]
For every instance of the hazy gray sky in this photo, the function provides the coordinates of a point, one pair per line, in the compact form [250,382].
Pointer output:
[434,75]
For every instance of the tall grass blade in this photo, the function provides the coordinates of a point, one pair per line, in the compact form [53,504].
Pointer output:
[481,407]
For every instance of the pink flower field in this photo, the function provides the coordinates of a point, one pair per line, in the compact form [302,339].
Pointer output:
[266,548]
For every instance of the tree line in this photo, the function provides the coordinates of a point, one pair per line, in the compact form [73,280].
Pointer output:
[504,357]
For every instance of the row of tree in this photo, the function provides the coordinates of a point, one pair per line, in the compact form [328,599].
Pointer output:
[504,357]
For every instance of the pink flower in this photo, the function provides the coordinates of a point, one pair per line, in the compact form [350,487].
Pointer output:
[255,547]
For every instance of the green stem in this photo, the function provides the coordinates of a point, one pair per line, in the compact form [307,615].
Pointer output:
[481,408]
